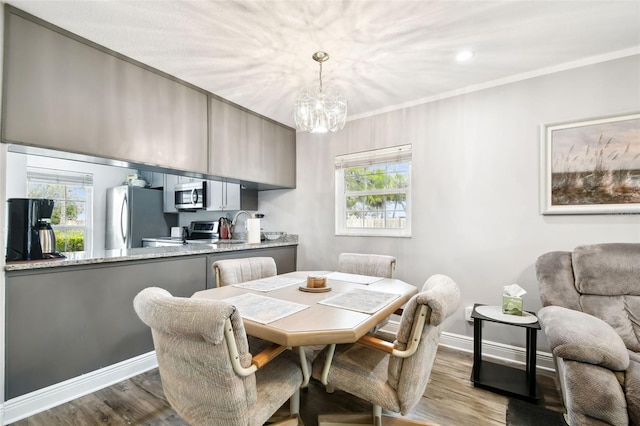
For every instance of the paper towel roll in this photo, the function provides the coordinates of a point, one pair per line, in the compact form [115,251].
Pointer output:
[253,231]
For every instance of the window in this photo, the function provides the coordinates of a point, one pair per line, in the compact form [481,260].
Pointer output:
[373,192]
[71,193]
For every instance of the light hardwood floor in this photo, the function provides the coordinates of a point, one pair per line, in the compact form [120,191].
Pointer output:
[450,399]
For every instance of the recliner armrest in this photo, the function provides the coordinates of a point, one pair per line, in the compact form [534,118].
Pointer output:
[578,336]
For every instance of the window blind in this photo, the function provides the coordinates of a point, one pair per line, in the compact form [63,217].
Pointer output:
[62,177]
[395,154]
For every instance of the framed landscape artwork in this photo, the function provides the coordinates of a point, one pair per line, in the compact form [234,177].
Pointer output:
[591,166]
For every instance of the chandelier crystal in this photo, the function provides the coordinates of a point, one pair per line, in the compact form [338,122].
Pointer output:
[320,110]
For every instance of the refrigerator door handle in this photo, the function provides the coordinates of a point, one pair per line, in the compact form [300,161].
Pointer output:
[124,219]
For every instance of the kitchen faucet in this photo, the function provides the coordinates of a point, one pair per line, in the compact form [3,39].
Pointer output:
[235,218]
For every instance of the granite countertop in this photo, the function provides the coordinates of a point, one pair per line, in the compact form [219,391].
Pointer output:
[142,253]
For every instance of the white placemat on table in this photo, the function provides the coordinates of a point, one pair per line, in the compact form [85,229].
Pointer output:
[269,283]
[263,309]
[353,278]
[361,300]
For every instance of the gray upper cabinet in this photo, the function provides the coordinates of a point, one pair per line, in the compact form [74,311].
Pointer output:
[279,154]
[246,147]
[65,93]
[236,142]
[223,196]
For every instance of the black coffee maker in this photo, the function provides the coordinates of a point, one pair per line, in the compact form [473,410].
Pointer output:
[29,233]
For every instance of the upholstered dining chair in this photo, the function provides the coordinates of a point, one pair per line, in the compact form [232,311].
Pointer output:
[392,376]
[207,373]
[234,271]
[374,265]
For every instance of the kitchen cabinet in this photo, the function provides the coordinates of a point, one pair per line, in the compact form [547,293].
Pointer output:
[223,196]
[280,154]
[66,93]
[167,182]
[155,179]
[227,196]
[248,199]
[247,147]
[235,137]
[170,182]
[189,179]
[65,322]
[285,258]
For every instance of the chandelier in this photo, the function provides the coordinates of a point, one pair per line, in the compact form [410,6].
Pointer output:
[323,109]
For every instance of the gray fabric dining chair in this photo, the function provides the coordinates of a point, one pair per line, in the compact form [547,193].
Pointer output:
[234,271]
[207,373]
[374,265]
[391,376]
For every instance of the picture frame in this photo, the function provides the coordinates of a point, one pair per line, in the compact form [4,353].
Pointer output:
[591,166]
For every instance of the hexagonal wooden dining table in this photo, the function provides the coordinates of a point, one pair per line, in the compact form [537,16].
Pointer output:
[319,323]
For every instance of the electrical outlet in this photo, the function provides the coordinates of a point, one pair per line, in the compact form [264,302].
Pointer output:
[467,313]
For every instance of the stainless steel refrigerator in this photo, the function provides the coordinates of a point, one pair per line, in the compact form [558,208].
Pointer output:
[134,213]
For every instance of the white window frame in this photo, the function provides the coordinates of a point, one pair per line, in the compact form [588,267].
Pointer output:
[65,177]
[392,155]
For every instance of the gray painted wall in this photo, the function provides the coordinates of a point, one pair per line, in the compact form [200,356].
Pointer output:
[475,181]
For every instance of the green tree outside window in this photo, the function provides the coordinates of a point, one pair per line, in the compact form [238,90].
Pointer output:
[68,218]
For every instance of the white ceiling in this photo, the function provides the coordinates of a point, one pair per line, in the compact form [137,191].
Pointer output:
[257,53]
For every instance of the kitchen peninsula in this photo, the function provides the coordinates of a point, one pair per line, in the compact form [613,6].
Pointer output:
[142,253]
[69,317]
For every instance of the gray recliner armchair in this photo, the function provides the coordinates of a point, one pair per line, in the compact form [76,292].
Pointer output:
[591,317]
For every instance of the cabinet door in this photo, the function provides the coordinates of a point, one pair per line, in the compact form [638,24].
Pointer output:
[224,131]
[223,196]
[168,189]
[66,93]
[215,196]
[236,149]
[231,196]
[280,155]
[155,179]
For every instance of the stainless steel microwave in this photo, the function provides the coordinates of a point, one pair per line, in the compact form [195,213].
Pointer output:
[191,196]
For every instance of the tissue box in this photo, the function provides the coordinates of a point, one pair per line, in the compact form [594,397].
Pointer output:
[511,305]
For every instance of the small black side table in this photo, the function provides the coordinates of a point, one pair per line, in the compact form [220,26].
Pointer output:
[501,378]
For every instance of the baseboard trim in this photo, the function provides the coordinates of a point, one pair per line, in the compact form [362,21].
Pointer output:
[35,402]
[43,399]
[494,350]
[498,351]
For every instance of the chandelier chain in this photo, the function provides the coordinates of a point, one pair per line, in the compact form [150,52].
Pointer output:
[320,77]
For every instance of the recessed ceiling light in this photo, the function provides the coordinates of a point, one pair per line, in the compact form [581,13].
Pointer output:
[464,55]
